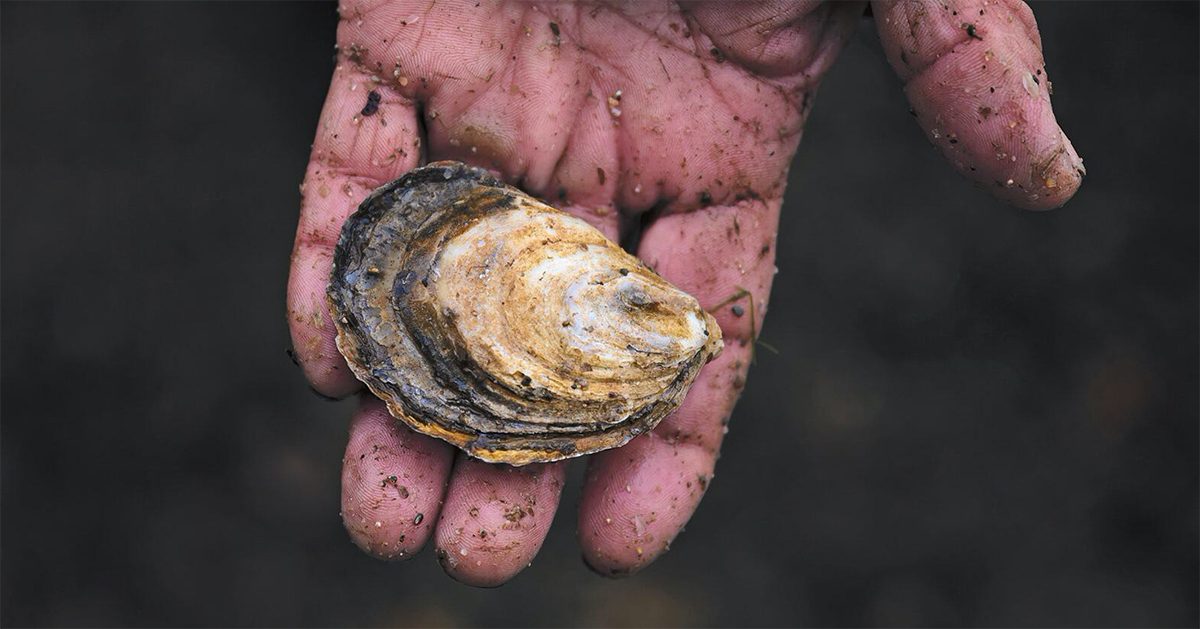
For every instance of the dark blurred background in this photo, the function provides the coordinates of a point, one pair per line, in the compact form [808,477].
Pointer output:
[977,415]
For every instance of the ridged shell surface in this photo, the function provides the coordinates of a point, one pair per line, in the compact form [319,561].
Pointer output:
[504,326]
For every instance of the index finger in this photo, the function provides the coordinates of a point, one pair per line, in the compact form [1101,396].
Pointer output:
[368,134]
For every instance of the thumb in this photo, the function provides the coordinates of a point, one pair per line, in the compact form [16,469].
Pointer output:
[975,77]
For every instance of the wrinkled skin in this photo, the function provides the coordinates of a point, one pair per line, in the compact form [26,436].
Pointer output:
[713,99]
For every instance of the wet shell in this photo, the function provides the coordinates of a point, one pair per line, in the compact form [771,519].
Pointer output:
[506,327]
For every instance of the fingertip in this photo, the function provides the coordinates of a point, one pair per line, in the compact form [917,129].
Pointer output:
[393,481]
[332,383]
[636,501]
[495,519]
[459,567]
[1054,180]
[602,567]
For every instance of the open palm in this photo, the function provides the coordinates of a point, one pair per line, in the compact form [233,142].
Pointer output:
[668,127]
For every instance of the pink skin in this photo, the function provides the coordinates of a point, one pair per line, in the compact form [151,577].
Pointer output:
[713,99]
[984,99]
[495,518]
[393,482]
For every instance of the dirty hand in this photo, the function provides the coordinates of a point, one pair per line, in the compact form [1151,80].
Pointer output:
[668,127]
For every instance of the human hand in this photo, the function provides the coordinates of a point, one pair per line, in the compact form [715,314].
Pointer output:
[669,128]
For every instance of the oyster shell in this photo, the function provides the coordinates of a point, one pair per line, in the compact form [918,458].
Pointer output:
[506,327]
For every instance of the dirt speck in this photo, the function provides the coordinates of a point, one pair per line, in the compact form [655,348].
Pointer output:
[372,105]
[356,53]
[614,104]
[515,514]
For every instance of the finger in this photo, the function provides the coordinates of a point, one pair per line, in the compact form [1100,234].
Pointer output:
[496,518]
[393,480]
[360,144]
[637,498]
[974,74]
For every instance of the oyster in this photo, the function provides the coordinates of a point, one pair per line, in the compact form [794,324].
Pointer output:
[506,327]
